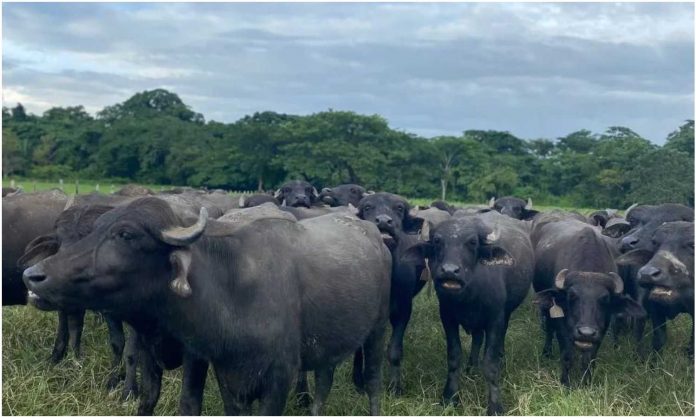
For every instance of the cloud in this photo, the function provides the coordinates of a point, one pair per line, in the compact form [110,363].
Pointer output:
[535,69]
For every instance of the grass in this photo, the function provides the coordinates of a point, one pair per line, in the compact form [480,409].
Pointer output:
[622,384]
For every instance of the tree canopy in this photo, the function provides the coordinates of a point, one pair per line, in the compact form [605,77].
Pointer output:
[153,137]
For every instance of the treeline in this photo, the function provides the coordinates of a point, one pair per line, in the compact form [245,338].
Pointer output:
[153,137]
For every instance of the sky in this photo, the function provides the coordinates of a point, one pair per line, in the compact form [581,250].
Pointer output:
[538,70]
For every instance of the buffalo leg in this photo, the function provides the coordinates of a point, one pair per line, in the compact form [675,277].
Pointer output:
[192,385]
[358,369]
[302,391]
[117,341]
[61,342]
[454,354]
[151,380]
[476,340]
[495,336]
[323,380]
[373,368]
[566,347]
[132,351]
[659,330]
[275,394]
[549,329]
[588,360]
[399,320]
[76,322]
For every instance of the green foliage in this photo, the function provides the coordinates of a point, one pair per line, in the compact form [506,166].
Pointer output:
[153,137]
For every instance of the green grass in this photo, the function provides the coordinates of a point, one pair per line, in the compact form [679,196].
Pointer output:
[622,384]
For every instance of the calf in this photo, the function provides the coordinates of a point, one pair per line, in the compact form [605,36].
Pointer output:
[667,274]
[482,267]
[578,290]
[399,231]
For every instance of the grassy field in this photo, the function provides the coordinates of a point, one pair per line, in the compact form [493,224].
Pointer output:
[622,384]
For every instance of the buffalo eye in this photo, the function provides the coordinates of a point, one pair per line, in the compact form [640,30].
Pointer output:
[473,242]
[366,208]
[353,191]
[125,235]
[437,240]
[286,190]
[400,208]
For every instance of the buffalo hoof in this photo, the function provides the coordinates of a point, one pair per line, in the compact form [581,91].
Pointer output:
[129,392]
[495,409]
[303,400]
[57,356]
[114,379]
[450,400]
[396,388]
[547,352]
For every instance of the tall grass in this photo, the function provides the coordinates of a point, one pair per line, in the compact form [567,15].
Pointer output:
[623,385]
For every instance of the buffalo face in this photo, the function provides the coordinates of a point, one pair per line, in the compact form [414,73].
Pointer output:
[586,301]
[456,249]
[297,193]
[514,207]
[131,254]
[342,195]
[391,215]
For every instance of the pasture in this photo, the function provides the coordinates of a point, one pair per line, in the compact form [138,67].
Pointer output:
[623,384]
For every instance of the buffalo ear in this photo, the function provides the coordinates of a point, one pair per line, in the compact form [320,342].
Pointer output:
[417,254]
[638,257]
[37,250]
[528,214]
[412,225]
[181,262]
[494,255]
[626,304]
[616,227]
[546,298]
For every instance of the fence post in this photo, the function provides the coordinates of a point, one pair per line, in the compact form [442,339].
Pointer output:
[60,181]
[77,186]
[96,187]
[12,183]
[111,189]
[34,186]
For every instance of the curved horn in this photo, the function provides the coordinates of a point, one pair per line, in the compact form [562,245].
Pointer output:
[241,201]
[369,192]
[492,237]
[70,202]
[629,209]
[425,231]
[181,261]
[618,283]
[491,202]
[277,193]
[559,281]
[314,191]
[285,203]
[529,203]
[182,236]
[326,190]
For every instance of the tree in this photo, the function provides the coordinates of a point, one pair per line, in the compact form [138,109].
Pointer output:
[682,139]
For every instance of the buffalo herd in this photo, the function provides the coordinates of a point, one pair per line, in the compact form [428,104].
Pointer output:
[268,287]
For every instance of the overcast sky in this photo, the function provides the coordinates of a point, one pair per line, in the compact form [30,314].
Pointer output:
[536,70]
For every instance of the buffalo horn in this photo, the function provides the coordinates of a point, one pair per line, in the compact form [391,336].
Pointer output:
[181,236]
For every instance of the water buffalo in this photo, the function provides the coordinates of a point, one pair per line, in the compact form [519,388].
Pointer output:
[645,219]
[399,231]
[666,272]
[578,290]
[25,216]
[230,299]
[442,205]
[513,207]
[342,195]
[482,268]
[297,193]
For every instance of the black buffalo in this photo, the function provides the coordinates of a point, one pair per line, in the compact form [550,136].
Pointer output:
[342,195]
[578,290]
[231,299]
[399,231]
[666,273]
[297,193]
[645,219]
[513,207]
[482,268]
[256,200]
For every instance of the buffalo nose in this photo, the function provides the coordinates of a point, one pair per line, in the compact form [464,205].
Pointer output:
[629,243]
[34,274]
[450,268]
[385,220]
[649,274]
[587,332]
